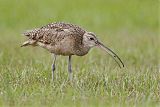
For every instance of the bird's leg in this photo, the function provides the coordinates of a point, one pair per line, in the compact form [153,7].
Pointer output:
[70,68]
[53,66]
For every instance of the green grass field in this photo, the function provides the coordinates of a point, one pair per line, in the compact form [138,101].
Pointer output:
[129,27]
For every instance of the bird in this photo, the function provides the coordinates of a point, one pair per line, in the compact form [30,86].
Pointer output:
[66,39]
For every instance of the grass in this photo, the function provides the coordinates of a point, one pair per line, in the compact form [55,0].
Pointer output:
[129,27]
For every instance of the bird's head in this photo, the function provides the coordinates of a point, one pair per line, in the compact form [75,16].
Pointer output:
[90,40]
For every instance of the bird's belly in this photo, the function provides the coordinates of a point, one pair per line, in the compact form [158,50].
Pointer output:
[59,49]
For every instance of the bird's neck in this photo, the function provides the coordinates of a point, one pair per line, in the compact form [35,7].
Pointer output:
[83,50]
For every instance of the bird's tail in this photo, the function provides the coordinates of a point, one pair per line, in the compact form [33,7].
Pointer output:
[30,32]
[28,42]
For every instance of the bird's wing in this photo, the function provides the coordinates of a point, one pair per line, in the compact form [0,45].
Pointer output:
[55,32]
[62,25]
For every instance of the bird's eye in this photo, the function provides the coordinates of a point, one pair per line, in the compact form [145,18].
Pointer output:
[91,38]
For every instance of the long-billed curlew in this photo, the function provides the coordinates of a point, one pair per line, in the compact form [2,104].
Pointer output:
[66,39]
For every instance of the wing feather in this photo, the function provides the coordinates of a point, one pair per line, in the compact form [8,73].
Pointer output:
[55,32]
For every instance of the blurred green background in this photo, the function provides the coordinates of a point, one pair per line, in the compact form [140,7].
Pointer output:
[96,14]
[129,27]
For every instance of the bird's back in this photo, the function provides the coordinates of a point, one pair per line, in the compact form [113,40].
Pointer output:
[54,32]
[59,36]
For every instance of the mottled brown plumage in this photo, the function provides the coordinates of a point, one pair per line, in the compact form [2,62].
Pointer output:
[65,39]
[59,38]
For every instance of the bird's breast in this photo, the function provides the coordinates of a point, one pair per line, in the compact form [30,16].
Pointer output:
[64,47]
[67,46]
[82,50]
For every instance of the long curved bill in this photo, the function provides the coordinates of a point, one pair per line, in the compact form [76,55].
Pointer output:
[111,53]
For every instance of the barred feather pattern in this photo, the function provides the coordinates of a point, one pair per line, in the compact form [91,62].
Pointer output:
[54,34]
